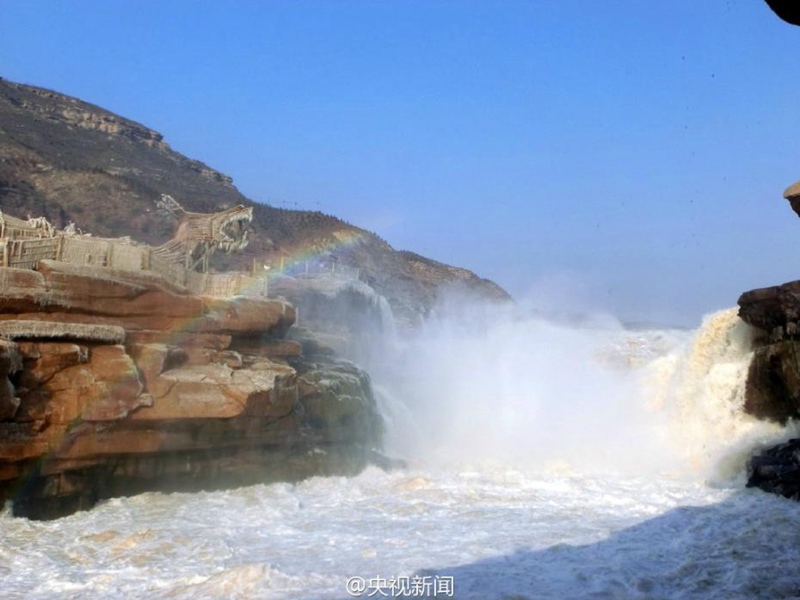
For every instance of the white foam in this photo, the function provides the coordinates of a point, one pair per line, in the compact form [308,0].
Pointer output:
[498,532]
[701,390]
[548,461]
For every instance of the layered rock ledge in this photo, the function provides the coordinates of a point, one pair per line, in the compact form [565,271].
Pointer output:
[118,382]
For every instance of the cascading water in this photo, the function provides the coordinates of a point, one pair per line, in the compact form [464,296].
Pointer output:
[701,391]
[546,460]
[537,394]
[523,392]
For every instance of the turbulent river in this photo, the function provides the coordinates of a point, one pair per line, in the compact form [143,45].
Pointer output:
[545,460]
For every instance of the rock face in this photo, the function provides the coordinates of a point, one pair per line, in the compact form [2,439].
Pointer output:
[345,316]
[777,470]
[773,382]
[775,310]
[113,383]
[118,382]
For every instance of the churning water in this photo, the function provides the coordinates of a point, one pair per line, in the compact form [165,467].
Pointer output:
[545,461]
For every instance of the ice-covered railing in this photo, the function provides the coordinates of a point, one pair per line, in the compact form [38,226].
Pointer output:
[322,269]
[125,255]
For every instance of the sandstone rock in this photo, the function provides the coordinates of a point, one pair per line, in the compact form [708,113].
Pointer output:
[213,341]
[281,426]
[213,391]
[34,406]
[190,401]
[48,358]
[105,388]
[85,289]
[245,317]
[152,360]
[94,443]
[23,441]
[23,290]
[229,358]
[192,392]
[10,362]
[10,356]
[269,348]
[9,402]
[200,356]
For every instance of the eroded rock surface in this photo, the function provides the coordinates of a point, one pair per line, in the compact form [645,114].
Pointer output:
[113,383]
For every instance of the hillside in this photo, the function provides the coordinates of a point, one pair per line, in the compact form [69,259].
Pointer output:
[71,161]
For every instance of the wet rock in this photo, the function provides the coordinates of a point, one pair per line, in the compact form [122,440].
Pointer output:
[777,470]
[10,363]
[337,402]
[772,390]
[773,382]
[775,310]
[386,463]
[187,401]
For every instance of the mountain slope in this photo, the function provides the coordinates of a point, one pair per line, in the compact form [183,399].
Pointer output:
[71,161]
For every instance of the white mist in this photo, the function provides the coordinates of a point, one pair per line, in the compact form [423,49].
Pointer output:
[482,385]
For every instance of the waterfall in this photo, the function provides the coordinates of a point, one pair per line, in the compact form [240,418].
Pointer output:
[493,386]
[701,391]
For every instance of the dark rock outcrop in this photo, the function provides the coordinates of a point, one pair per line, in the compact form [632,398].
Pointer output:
[777,470]
[775,310]
[772,389]
[113,383]
[340,316]
[773,382]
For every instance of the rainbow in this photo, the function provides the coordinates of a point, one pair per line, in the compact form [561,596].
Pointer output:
[314,258]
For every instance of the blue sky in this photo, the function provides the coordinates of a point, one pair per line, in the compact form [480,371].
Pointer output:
[623,155]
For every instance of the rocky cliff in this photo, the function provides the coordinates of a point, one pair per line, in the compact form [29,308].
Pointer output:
[115,382]
[773,381]
[62,158]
